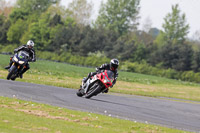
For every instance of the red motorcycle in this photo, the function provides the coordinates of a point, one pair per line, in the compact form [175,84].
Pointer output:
[96,84]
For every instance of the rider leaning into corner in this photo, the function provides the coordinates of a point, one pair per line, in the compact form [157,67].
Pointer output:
[114,63]
[29,49]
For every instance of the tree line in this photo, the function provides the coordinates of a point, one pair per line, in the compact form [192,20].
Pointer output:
[114,34]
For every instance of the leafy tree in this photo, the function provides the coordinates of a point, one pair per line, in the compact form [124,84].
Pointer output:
[127,51]
[39,32]
[140,53]
[57,9]
[119,15]
[196,62]
[95,40]
[175,26]
[32,6]
[24,19]
[80,11]
[25,8]
[67,37]
[5,8]
[55,20]
[178,57]
[4,26]
[16,31]
[154,32]
[172,51]
[58,36]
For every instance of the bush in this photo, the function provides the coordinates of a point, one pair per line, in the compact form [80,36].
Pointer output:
[8,49]
[95,61]
[168,73]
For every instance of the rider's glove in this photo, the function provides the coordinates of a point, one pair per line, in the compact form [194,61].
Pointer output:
[31,60]
[97,70]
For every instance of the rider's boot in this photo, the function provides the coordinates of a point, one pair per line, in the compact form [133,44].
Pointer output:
[7,67]
[22,72]
[21,75]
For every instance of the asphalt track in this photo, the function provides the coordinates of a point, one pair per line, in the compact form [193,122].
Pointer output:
[169,113]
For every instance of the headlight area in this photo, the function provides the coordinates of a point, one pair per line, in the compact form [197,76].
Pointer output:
[21,62]
[15,59]
[106,80]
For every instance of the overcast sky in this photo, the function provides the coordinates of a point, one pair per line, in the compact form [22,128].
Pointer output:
[156,10]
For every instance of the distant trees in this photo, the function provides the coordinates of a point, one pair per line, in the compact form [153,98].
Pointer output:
[196,61]
[173,51]
[80,11]
[4,26]
[59,30]
[25,24]
[175,26]
[119,15]
[32,6]
[5,8]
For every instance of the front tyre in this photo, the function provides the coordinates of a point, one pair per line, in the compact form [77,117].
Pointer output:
[13,78]
[11,71]
[93,91]
[80,92]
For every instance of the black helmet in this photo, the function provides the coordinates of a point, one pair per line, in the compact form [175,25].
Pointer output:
[114,63]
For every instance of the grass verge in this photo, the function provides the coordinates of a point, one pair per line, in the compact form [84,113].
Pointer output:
[24,117]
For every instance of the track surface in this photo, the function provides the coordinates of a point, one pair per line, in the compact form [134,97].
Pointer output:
[180,115]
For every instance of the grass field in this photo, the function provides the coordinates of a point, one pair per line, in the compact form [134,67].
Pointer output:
[65,75]
[19,116]
[24,116]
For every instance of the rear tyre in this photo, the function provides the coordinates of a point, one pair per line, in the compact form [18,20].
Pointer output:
[93,91]
[12,69]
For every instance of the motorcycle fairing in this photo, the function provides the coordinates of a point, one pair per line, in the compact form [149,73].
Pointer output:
[89,83]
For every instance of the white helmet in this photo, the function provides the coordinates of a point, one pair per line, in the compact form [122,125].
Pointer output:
[30,43]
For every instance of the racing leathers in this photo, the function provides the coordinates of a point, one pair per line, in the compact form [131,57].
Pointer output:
[99,69]
[32,57]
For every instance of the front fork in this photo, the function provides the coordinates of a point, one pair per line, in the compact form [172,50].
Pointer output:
[18,67]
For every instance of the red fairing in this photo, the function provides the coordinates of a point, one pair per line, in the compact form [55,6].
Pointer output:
[104,78]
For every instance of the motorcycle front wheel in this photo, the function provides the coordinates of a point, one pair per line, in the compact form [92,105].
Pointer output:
[93,91]
[80,92]
[11,71]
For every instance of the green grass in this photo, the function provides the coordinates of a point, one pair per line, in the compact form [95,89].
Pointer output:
[65,75]
[19,116]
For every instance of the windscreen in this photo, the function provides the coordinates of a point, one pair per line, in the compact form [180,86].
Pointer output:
[23,55]
[110,74]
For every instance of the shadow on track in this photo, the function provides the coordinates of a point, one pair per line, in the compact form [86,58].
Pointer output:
[112,102]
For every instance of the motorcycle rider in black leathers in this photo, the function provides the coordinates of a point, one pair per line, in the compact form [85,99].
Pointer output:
[114,63]
[29,49]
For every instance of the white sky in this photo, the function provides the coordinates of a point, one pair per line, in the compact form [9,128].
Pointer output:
[156,10]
